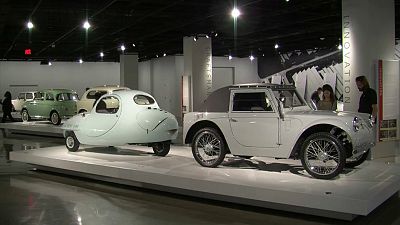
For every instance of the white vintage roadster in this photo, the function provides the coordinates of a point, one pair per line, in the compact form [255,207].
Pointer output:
[124,117]
[274,121]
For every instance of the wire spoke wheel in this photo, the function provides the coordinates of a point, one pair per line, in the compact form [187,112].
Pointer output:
[208,147]
[323,156]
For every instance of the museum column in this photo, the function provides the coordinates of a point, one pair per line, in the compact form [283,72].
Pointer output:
[129,72]
[368,34]
[198,65]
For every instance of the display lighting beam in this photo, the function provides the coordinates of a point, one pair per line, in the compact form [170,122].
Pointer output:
[86,25]
[235,13]
[29,25]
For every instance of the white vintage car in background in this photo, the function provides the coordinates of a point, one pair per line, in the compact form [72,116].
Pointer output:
[22,98]
[133,118]
[85,104]
[274,121]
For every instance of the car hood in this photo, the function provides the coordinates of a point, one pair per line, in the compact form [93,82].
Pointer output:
[326,113]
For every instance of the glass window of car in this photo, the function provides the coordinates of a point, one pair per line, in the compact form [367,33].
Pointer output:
[92,94]
[21,96]
[67,96]
[254,101]
[289,98]
[50,96]
[29,95]
[143,100]
[39,95]
[107,105]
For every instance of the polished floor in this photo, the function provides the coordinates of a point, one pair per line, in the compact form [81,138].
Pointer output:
[35,197]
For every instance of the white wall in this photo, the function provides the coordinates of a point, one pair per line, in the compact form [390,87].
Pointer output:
[245,70]
[18,76]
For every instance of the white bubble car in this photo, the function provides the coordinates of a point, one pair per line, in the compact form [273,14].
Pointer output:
[123,117]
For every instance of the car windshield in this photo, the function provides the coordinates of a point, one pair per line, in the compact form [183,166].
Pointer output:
[290,98]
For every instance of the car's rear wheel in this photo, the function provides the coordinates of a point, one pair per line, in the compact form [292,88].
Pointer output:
[356,161]
[55,118]
[323,156]
[208,147]
[71,142]
[162,148]
[25,115]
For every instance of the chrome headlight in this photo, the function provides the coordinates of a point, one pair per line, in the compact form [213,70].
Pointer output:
[356,123]
[371,120]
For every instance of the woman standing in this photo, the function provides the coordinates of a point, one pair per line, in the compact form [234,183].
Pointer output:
[328,101]
[7,107]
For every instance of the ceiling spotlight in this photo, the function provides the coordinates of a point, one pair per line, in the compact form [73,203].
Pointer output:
[86,25]
[50,63]
[216,34]
[133,45]
[122,47]
[251,57]
[80,61]
[101,54]
[195,38]
[157,55]
[321,38]
[29,24]
[276,46]
[230,57]
[287,0]
[207,36]
[340,47]
[235,13]
[165,54]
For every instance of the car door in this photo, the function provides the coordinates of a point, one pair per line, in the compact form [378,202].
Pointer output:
[103,117]
[254,119]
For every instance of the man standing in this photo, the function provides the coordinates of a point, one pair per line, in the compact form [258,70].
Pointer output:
[315,96]
[368,99]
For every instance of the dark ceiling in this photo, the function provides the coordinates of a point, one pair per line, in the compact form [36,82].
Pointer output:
[158,26]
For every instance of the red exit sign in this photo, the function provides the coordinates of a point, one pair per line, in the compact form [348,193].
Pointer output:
[28,51]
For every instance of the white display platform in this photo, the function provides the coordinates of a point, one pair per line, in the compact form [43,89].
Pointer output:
[33,127]
[269,183]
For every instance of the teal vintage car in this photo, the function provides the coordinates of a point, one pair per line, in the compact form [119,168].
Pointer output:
[51,104]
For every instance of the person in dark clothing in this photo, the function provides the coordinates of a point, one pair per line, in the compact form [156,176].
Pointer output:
[368,100]
[315,96]
[7,107]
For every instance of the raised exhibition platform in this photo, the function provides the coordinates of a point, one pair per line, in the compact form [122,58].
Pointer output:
[32,127]
[277,184]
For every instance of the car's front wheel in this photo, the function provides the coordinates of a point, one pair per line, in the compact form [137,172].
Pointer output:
[55,118]
[323,156]
[208,147]
[356,161]
[71,142]
[25,115]
[161,148]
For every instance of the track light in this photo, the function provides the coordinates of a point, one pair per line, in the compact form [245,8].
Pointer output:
[251,57]
[101,54]
[122,48]
[340,47]
[29,24]
[165,54]
[230,57]
[276,46]
[235,13]
[86,25]
[195,38]
[80,61]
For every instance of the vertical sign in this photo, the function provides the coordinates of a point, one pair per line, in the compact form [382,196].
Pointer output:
[346,28]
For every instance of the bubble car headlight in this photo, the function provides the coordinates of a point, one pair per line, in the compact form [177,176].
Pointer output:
[356,123]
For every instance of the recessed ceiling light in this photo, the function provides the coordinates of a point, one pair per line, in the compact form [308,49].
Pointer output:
[29,24]
[235,13]
[86,25]
[321,38]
